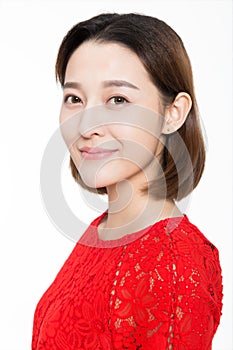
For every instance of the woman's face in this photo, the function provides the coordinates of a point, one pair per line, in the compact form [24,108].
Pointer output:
[115,125]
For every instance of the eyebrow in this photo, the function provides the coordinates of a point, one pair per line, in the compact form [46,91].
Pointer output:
[109,83]
[105,84]
[71,85]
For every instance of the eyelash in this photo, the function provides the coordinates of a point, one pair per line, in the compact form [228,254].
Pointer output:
[119,97]
[78,100]
[67,97]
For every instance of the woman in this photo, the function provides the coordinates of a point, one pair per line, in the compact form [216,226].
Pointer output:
[141,276]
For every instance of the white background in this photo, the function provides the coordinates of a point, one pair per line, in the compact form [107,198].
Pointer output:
[31,248]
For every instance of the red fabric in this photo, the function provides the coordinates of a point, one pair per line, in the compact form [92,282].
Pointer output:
[159,288]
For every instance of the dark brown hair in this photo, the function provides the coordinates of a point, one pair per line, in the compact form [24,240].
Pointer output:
[163,54]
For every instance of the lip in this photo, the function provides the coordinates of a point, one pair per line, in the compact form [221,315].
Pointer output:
[96,153]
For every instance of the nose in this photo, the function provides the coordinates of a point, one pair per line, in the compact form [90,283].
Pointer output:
[91,122]
[87,123]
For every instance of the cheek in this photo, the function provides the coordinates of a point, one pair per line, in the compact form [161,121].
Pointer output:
[137,144]
[63,115]
[75,155]
[69,126]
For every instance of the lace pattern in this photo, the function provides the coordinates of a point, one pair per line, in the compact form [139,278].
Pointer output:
[170,293]
[161,291]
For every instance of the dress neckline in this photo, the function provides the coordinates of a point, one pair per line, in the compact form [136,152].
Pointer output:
[91,236]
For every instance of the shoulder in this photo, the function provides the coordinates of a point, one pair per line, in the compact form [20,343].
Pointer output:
[173,261]
[176,236]
[176,250]
[188,241]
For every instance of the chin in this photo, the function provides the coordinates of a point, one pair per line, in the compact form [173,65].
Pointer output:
[90,181]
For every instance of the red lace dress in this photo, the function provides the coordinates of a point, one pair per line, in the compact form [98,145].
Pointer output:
[159,288]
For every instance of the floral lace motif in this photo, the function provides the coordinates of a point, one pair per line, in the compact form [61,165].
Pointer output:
[161,291]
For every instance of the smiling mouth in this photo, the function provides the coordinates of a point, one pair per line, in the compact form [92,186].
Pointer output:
[97,154]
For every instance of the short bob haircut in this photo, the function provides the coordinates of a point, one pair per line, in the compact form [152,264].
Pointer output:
[164,57]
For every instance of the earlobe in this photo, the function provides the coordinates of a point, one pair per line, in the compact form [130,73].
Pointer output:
[176,113]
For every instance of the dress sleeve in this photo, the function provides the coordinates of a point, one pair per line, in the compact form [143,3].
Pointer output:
[167,294]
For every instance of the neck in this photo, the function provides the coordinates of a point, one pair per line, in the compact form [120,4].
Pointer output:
[130,211]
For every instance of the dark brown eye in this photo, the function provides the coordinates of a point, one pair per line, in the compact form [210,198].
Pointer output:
[117,100]
[72,99]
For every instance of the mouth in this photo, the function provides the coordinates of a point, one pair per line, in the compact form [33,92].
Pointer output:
[96,153]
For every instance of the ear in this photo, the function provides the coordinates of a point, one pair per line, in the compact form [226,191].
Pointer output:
[176,113]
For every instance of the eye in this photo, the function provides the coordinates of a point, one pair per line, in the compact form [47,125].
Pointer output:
[72,99]
[117,100]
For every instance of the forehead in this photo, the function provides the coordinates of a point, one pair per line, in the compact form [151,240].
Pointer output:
[104,59]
